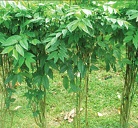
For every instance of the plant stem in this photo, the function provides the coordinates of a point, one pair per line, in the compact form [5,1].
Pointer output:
[128,90]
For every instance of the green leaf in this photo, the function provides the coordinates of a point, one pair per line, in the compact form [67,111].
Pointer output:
[14,80]
[94,68]
[126,61]
[13,4]
[9,78]
[7,24]
[3,4]
[81,68]
[20,49]
[110,10]
[24,43]
[7,50]
[127,39]
[87,12]
[21,7]
[87,22]
[135,40]
[137,78]
[129,33]
[30,34]
[107,66]
[45,82]
[21,61]
[63,68]
[28,63]
[53,55]
[58,34]
[50,73]
[113,20]
[46,68]
[82,26]
[53,41]
[70,73]
[37,80]
[36,113]
[74,88]
[28,55]
[15,54]
[64,32]
[120,22]
[66,82]
[133,16]
[35,42]
[19,78]
[72,25]
[12,40]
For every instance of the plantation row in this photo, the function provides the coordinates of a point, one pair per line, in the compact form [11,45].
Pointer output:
[37,39]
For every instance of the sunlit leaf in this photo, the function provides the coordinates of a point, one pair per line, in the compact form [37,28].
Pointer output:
[12,40]
[120,22]
[82,26]
[7,50]
[35,42]
[135,40]
[53,40]
[24,43]
[19,49]
[72,25]
[15,54]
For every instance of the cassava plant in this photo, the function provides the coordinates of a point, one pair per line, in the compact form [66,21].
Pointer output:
[39,38]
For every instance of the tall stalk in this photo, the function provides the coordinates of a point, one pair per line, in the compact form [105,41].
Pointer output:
[86,92]
[78,101]
[128,89]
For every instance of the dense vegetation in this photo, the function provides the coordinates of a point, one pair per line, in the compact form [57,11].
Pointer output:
[39,39]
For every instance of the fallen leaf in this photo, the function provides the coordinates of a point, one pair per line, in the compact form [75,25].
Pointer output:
[118,95]
[100,114]
[70,115]
[16,108]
